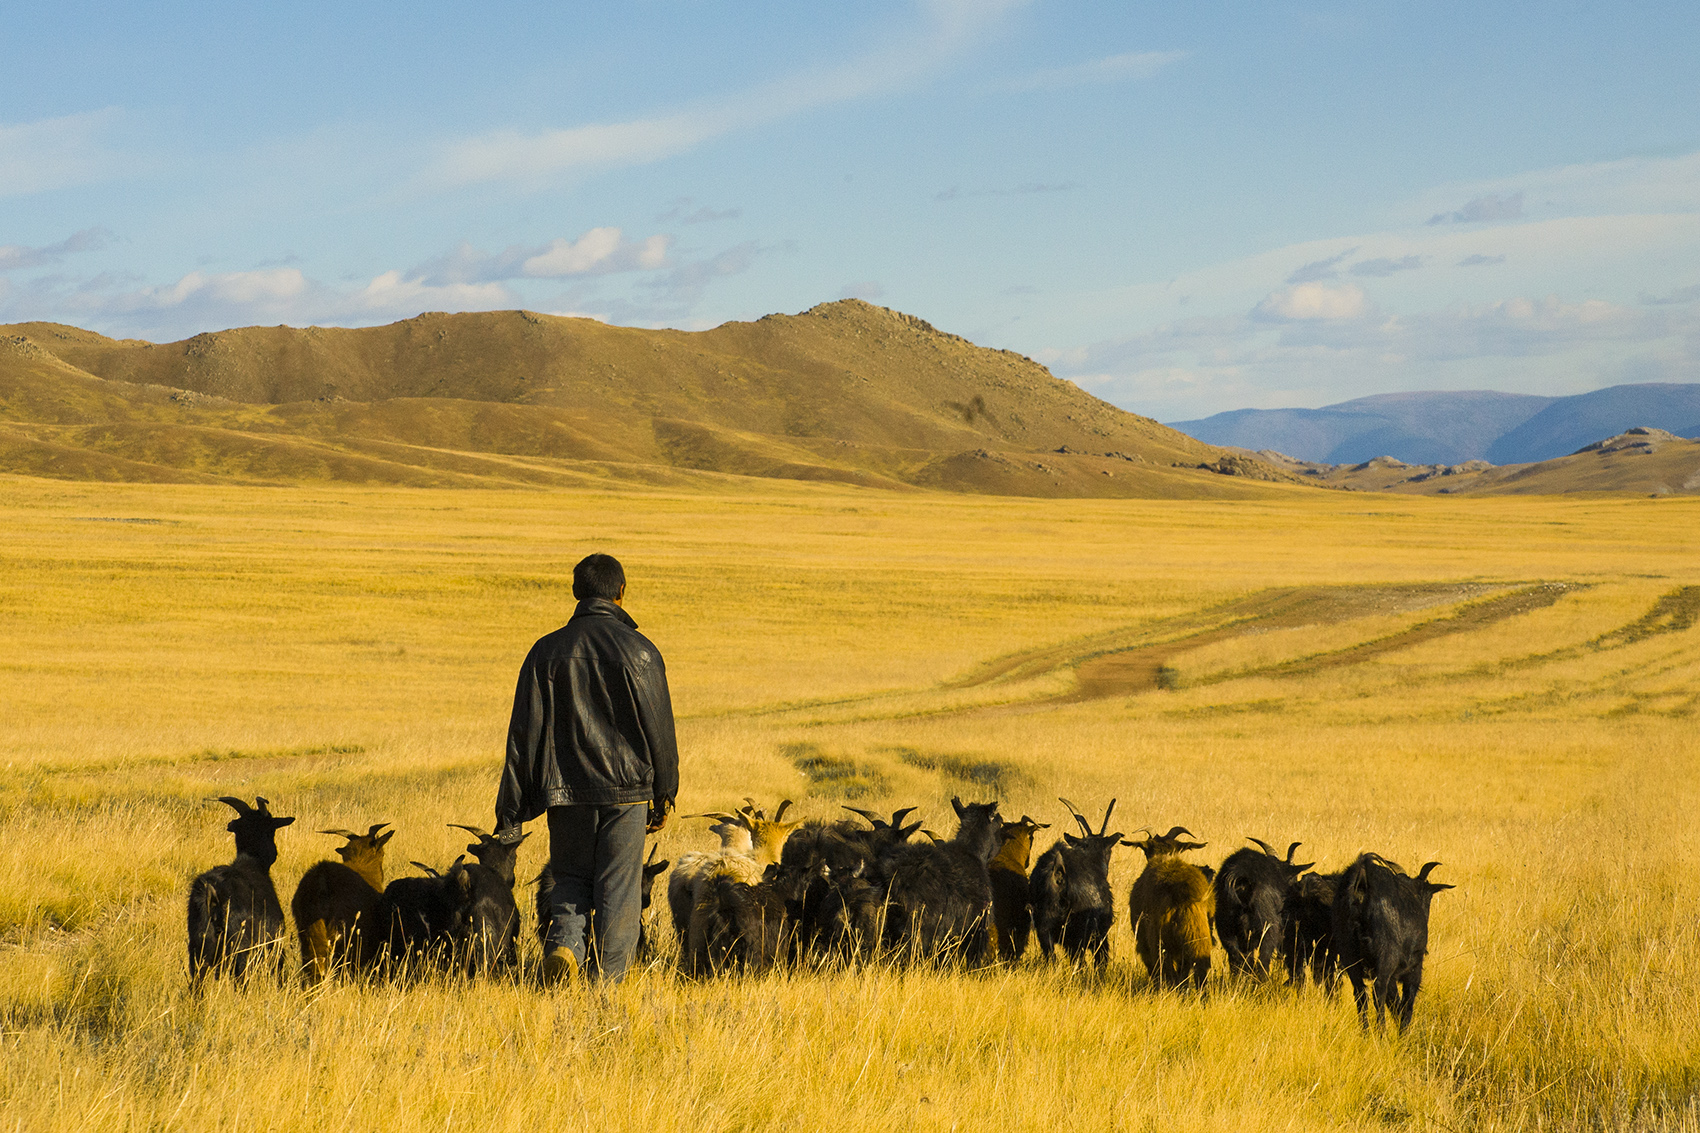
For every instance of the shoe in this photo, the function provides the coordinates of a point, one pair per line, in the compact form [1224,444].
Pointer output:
[559,966]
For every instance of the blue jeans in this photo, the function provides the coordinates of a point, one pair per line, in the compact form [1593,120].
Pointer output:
[596,855]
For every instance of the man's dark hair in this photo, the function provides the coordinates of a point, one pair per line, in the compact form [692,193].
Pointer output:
[599,576]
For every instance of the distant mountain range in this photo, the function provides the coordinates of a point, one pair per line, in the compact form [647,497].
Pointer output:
[1451,427]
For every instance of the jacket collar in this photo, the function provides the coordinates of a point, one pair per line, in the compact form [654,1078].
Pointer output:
[602,608]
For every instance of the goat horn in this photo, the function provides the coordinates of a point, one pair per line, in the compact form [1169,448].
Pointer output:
[1107,811]
[1267,848]
[473,830]
[1422,875]
[1085,827]
[1178,830]
[1290,850]
[780,813]
[376,826]
[754,810]
[426,868]
[867,814]
[241,807]
[897,816]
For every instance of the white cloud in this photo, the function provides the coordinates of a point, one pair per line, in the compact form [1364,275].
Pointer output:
[1306,301]
[573,257]
[56,153]
[533,160]
[599,251]
[1110,69]
[391,294]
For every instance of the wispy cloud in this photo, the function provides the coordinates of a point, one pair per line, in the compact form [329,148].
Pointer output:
[1111,69]
[1026,189]
[1508,207]
[600,251]
[682,213]
[16,257]
[1320,269]
[1689,294]
[868,289]
[1480,261]
[55,153]
[537,159]
[1384,266]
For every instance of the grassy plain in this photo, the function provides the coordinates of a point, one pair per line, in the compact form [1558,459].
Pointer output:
[1326,667]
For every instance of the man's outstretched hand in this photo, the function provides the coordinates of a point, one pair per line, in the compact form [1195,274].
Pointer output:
[657,818]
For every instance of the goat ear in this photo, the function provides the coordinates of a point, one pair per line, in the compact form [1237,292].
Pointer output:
[956,805]
[1300,867]
[341,833]
[1265,847]
[1071,839]
[281,822]
[383,838]
[1434,887]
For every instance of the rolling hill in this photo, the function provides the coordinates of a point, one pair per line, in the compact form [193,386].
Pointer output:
[843,392]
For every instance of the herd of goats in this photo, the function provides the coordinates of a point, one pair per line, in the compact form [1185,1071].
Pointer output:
[851,891]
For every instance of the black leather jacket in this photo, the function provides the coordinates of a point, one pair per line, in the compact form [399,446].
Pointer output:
[592,722]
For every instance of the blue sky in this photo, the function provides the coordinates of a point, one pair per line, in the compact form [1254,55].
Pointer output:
[1184,208]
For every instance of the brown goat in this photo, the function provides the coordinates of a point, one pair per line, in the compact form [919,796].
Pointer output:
[1012,901]
[339,906]
[1173,910]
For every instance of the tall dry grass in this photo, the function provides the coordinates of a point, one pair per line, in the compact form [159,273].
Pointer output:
[349,654]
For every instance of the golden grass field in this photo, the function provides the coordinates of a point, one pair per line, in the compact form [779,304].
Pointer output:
[1508,685]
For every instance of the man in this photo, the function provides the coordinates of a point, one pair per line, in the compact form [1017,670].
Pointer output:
[591,742]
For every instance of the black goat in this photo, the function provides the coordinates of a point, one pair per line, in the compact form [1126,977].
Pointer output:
[1072,904]
[1381,934]
[940,893]
[426,918]
[1309,930]
[234,913]
[744,926]
[485,891]
[1252,889]
[830,880]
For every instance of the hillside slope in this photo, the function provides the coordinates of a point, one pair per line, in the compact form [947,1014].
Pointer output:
[845,392]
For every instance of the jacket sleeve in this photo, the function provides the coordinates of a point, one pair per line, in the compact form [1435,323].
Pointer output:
[516,798]
[655,715]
